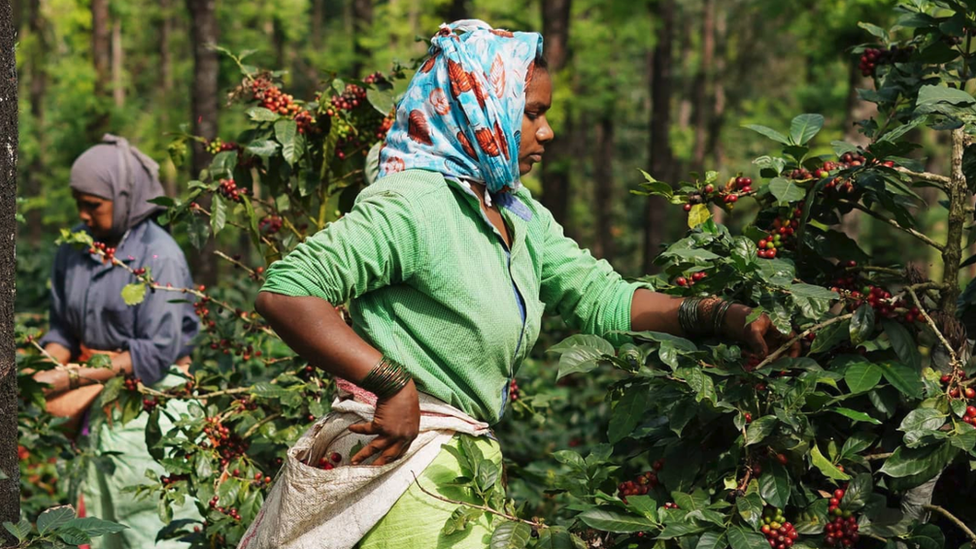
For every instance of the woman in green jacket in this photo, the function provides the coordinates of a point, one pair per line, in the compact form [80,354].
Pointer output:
[448,265]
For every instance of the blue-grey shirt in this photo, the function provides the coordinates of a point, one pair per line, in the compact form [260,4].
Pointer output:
[87,306]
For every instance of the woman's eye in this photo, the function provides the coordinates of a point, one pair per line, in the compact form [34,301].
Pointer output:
[531,115]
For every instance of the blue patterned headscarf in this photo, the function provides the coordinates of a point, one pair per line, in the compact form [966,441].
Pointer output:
[462,113]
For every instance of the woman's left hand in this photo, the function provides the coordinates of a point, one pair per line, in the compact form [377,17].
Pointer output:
[759,335]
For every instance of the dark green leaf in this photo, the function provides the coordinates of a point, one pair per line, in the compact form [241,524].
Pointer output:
[855,415]
[740,538]
[645,505]
[223,164]
[20,530]
[922,419]
[95,527]
[862,376]
[750,508]
[511,535]
[809,290]
[628,413]
[712,540]
[261,114]
[774,485]
[263,148]
[218,214]
[857,493]
[804,127]
[73,536]
[786,191]
[902,377]
[825,466]
[768,132]
[873,29]
[613,521]
[926,461]
[904,344]
[760,429]
[54,518]
[862,325]
[198,230]
[830,336]
[286,133]
[381,100]
[557,537]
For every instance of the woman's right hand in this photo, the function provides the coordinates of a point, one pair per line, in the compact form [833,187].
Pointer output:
[396,424]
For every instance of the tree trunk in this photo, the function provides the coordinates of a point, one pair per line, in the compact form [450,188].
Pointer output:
[604,195]
[102,59]
[458,9]
[9,487]
[702,115]
[718,107]
[204,106]
[362,15]
[164,87]
[558,164]
[38,88]
[318,16]
[660,147]
[118,86]
[857,109]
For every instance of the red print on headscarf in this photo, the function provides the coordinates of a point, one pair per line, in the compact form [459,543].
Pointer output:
[460,82]
[417,128]
[486,140]
[466,145]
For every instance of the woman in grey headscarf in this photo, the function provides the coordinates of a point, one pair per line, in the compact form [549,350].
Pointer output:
[112,184]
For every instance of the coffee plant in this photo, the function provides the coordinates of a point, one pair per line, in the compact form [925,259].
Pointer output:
[866,439]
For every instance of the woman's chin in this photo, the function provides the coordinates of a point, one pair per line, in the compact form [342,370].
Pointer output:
[525,167]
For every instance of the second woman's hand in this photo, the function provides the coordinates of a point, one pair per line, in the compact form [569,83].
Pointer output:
[396,424]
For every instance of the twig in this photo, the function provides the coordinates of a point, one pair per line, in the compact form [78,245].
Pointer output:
[536,525]
[872,457]
[786,346]
[258,425]
[882,270]
[953,358]
[249,270]
[952,518]
[926,176]
[895,224]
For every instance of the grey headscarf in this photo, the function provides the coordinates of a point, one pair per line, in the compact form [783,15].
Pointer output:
[117,171]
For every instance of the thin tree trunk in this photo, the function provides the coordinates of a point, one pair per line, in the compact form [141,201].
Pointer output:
[102,59]
[717,121]
[278,38]
[204,107]
[604,195]
[318,15]
[660,147]
[456,10]
[857,109]
[362,14]
[702,116]
[118,86]
[165,86]
[38,88]
[558,164]
[10,486]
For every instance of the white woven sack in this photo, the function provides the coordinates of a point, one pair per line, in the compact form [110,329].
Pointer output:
[311,508]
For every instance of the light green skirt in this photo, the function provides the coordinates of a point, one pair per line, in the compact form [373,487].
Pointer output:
[102,489]
[416,519]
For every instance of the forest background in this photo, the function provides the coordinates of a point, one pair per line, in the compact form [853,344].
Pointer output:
[660,85]
[665,86]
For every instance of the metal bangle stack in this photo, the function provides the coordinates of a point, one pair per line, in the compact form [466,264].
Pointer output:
[386,378]
[702,315]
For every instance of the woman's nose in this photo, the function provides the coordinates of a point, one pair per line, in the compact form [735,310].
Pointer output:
[545,133]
